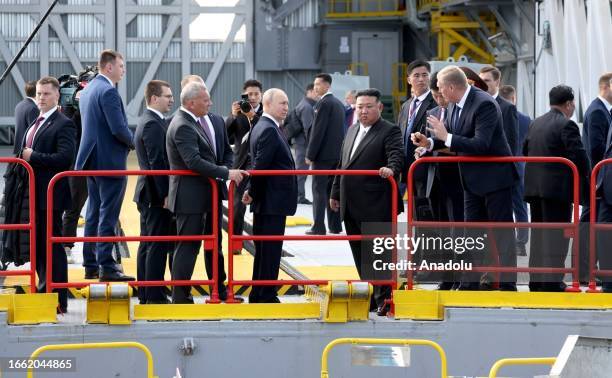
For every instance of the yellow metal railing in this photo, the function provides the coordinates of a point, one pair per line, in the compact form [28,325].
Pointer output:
[333,343]
[358,68]
[399,91]
[111,345]
[519,361]
[365,8]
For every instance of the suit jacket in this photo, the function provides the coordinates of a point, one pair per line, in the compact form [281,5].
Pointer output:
[524,121]
[553,134]
[106,138]
[480,133]
[349,113]
[327,131]
[604,178]
[305,112]
[54,150]
[420,125]
[150,142]
[272,195]
[595,128]
[369,197]
[224,155]
[237,132]
[26,113]
[511,126]
[188,148]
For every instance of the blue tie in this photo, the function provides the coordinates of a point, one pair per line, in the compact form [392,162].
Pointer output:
[455,119]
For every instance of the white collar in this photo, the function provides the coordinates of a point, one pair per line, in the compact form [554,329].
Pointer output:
[606,103]
[33,99]
[461,103]
[48,114]
[190,113]
[156,112]
[422,97]
[272,118]
[107,79]
[495,95]
[364,128]
[327,93]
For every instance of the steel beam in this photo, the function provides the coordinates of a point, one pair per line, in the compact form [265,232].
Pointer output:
[516,42]
[287,8]
[7,56]
[214,72]
[56,23]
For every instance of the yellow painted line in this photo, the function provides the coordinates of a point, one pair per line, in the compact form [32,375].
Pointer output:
[295,220]
[346,272]
[227,311]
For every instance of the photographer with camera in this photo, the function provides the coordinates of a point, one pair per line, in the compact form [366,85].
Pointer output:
[245,114]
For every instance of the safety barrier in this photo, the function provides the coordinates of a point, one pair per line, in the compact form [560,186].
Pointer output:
[571,230]
[594,226]
[366,341]
[110,345]
[214,297]
[30,226]
[519,361]
[236,240]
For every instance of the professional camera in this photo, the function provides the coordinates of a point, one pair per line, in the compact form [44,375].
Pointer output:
[71,84]
[245,105]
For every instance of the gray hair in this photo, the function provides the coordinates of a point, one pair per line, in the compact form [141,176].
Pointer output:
[452,75]
[268,95]
[191,91]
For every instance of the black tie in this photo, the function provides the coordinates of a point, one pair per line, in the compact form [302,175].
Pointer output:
[455,119]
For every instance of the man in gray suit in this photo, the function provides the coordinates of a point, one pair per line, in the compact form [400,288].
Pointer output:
[189,146]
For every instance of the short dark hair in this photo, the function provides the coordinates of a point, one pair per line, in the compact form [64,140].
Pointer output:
[433,82]
[309,87]
[49,80]
[605,80]
[252,83]
[325,77]
[154,88]
[108,56]
[560,94]
[416,64]
[370,92]
[30,88]
[507,91]
[493,70]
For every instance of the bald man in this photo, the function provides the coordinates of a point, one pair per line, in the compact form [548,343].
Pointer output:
[272,198]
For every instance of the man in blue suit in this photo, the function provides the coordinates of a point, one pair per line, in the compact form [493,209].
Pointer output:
[272,198]
[105,143]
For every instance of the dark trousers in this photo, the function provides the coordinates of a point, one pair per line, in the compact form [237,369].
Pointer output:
[604,244]
[186,253]
[152,256]
[321,188]
[364,257]
[78,192]
[267,255]
[59,264]
[548,246]
[491,207]
[208,253]
[584,243]
[519,206]
[239,208]
[105,200]
[299,146]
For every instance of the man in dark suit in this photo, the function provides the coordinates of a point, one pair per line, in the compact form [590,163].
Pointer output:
[477,130]
[595,128]
[519,206]
[238,126]
[323,152]
[372,144]
[105,143]
[49,146]
[272,198]
[350,115]
[411,119]
[151,194]
[26,112]
[548,187]
[189,146]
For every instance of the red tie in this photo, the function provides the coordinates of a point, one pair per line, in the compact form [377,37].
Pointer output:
[30,138]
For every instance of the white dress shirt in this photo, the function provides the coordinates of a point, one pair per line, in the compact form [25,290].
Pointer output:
[363,131]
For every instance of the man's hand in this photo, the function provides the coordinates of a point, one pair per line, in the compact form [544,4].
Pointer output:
[246,198]
[419,151]
[436,128]
[250,115]
[419,140]
[334,204]
[308,161]
[237,175]
[235,108]
[27,153]
[166,202]
[385,172]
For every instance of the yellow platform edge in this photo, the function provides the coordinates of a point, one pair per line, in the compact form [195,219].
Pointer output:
[430,305]
[254,311]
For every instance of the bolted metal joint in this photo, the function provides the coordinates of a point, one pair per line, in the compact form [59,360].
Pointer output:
[188,346]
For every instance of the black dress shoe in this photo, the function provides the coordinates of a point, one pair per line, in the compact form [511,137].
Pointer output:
[383,310]
[304,201]
[158,301]
[335,232]
[270,300]
[92,274]
[115,277]
[507,286]
[468,286]
[314,232]
[60,310]
[183,301]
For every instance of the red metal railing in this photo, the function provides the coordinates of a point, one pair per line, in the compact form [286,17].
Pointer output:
[594,226]
[214,297]
[570,230]
[30,226]
[235,241]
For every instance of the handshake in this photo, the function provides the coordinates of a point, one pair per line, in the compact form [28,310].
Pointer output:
[237,175]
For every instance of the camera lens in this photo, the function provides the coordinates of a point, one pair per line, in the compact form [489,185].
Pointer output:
[245,106]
